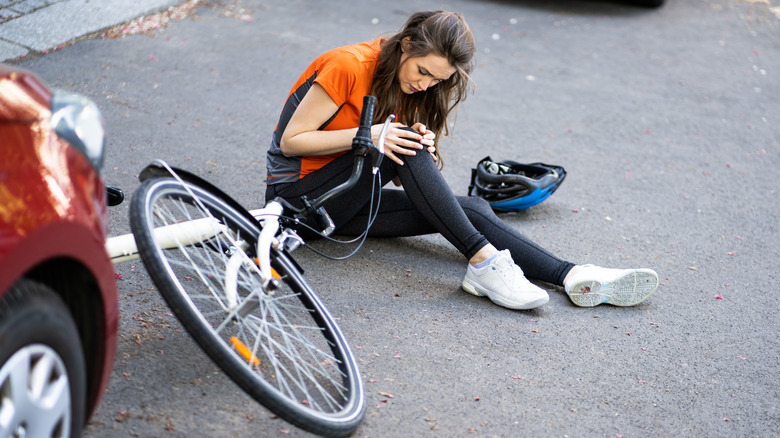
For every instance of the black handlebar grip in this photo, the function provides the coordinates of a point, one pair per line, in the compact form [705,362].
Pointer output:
[367,113]
[362,141]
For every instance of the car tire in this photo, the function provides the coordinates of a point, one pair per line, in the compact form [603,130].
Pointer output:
[647,3]
[40,349]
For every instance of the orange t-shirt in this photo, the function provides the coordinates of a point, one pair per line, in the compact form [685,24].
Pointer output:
[345,74]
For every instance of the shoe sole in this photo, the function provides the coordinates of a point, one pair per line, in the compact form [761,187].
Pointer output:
[473,290]
[627,290]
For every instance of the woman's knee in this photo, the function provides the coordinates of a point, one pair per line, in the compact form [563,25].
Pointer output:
[475,204]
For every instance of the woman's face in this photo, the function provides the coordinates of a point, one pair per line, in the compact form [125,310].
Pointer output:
[422,72]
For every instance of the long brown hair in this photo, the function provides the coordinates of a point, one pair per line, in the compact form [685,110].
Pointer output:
[440,33]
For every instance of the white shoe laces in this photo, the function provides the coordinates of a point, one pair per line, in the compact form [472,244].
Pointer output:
[508,270]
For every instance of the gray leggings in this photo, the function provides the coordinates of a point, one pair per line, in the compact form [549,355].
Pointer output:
[426,205]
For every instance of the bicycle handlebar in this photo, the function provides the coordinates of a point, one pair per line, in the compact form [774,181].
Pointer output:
[361,144]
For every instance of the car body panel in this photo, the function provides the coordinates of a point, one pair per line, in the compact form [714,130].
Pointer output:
[53,207]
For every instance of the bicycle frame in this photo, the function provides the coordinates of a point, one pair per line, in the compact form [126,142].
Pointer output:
[122,248]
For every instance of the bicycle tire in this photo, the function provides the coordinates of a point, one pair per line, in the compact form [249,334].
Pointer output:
[292,356]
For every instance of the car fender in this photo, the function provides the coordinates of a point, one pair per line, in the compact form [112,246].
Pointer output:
[70,240]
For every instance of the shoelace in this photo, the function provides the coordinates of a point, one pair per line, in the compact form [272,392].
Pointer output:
[506,269]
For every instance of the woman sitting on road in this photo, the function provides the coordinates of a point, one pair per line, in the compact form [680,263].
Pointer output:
[419,74]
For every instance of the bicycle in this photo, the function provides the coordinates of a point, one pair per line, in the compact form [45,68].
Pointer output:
[228,277]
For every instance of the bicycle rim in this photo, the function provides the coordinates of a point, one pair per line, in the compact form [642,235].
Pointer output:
[276,340]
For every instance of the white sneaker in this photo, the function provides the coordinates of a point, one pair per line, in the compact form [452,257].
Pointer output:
[594,285]
[504,283]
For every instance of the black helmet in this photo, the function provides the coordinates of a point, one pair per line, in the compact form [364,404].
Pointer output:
[511,186]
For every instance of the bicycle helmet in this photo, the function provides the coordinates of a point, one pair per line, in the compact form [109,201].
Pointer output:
[512,186]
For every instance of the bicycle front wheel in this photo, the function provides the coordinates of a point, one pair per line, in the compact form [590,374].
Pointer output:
[274,338]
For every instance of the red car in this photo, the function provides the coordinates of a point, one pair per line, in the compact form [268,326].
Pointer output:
[58,297]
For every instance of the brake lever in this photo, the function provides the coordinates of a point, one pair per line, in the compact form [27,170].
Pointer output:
[381,143]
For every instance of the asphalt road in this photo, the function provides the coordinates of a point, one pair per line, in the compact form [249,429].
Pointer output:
[667,123]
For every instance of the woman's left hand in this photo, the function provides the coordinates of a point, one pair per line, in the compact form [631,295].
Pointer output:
[399,141]
[428,138]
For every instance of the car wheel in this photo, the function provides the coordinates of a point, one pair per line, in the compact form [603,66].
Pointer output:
[42,376]
[648,3]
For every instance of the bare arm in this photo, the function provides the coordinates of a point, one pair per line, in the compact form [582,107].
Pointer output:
[302,137]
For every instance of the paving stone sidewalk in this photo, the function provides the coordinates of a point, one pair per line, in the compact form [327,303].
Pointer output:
[33,26]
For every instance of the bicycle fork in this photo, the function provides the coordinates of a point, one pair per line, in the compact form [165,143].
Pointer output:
[270,227]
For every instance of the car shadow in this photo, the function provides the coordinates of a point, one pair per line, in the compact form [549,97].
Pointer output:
[588,7]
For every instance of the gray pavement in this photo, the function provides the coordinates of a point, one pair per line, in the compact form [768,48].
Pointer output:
[38,26]
[667,123]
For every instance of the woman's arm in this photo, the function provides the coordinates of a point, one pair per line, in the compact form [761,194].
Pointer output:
[301,136]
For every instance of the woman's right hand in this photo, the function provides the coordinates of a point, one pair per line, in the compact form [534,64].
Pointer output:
[400,141]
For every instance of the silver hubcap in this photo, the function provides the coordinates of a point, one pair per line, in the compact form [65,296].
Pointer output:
[34,394]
